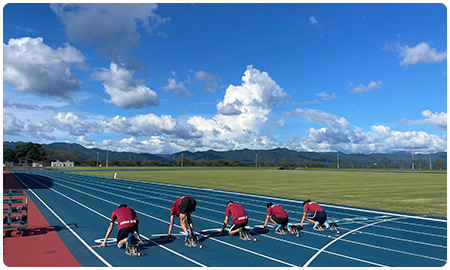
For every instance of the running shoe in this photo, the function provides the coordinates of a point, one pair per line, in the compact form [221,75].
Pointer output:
[327,224]
[289,227]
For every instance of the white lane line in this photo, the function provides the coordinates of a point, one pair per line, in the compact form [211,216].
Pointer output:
[294,201]
[325,251]
[264,256]
[67,226]
[189,259]
[336,239]
[409,231]
[213,203]
[195,216]
[221,223]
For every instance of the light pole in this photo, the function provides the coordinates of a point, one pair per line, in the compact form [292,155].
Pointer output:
[337,160]
[430,161]
[182,160]
[107,156]
[97,159]
[256,163]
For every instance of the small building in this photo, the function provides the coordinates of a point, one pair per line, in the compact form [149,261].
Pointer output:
[58,163]
[28,162]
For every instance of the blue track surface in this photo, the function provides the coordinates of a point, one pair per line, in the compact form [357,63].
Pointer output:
[80,206]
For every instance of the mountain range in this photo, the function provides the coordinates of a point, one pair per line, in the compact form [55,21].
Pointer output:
[247,156]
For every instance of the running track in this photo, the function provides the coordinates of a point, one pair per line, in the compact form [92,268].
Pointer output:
[81,206]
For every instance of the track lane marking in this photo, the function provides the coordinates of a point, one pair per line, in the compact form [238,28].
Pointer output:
[195,216]
[107,219]
[67,226]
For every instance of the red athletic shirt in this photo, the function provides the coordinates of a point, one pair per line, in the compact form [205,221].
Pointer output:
[126,217]
[176,207]
[237,213]
[312,207]
[276,210]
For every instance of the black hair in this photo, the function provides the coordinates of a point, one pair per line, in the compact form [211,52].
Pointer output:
[123,205]
[229,202]
[305,202]
[269,205]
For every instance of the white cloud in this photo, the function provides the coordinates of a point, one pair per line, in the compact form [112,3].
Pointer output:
[437,119]
[208,79]
[314,21]
[15,127]
[112,27]
[176,87]
[75,124]
[281,123]
[30,66]
[126,93]
[362,89]
[339,135]
[325,96]
[421,53]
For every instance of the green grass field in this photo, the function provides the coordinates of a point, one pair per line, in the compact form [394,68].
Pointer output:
[422,194]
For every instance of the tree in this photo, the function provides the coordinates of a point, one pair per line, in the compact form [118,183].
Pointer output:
[31,150]
[236,163]
[368,163]
[402,164]
[336,162]
[202,162]
[9,155]
[115,163]
[186,162]
[385,161]
[300,164]
[440,164]
[352,163]
[268,163]
[420,163]
[148,163]
[88,162]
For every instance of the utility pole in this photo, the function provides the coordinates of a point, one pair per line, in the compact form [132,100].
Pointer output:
[337,160]
[430,162]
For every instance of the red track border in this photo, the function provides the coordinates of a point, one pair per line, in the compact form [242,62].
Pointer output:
[40,246]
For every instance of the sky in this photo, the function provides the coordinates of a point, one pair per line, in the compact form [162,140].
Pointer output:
[164,78]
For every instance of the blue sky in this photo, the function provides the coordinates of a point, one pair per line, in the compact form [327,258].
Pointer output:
[163,78]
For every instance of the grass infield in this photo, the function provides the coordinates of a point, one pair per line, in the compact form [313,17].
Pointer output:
[421,194]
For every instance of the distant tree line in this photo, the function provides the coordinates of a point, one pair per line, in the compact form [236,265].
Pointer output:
[39,153]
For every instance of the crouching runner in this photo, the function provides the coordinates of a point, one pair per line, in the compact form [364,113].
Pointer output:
[240,218]
[127,225]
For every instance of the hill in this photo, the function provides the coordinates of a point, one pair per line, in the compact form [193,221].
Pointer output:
[247,156]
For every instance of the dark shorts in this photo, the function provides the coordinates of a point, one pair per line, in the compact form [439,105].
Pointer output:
[319,216]
[187,205]
[282,221]
[123,233]
[237,226]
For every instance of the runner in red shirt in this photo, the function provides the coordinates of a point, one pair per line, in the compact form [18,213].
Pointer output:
[183,208]
[240,218]
[127,224]
[319,217]
[278,216]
